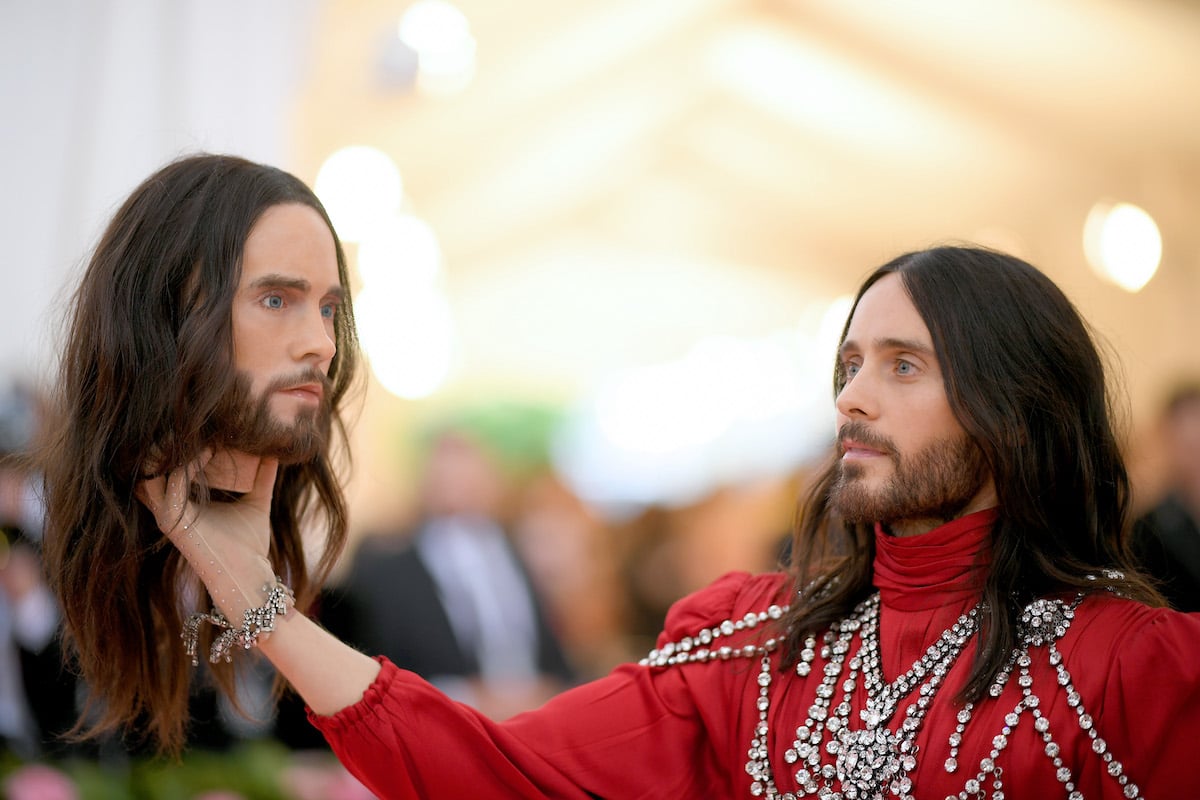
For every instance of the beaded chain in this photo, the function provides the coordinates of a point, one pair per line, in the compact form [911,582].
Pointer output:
[875,762]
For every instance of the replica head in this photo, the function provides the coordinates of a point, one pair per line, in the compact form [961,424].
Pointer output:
[965,379]
[212,316]
[216,302]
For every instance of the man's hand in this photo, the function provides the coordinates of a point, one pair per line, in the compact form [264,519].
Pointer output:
[225,543]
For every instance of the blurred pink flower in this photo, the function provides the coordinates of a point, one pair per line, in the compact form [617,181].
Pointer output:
[322,781]
[39,782]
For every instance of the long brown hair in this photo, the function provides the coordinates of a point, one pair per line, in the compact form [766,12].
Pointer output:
[1025,379]
[148,358]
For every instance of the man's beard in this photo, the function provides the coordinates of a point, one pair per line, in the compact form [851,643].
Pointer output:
[246,423]
[936,483]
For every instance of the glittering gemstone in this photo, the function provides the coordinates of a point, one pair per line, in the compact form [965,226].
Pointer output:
[1114,768]
[1052,749]
[951,764]
[1011,718]
[1131,790]
[1041,724]
[1063,774]
[1099,745]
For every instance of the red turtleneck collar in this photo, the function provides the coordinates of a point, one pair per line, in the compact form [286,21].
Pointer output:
[942,567]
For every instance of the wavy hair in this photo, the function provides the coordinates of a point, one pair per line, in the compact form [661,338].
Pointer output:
[148,358]
[1025,379]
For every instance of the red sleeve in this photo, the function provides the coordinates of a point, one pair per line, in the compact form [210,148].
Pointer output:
[638,733]
[1151,709]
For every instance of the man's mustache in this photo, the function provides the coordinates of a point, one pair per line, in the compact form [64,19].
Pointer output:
[859,432]
[300,378]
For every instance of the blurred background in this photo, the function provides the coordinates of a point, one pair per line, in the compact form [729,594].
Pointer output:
[615,239]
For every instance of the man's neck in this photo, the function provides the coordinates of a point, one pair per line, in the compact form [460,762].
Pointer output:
[913,527]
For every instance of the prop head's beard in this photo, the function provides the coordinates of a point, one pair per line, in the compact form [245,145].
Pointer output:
[246,423]
[937,482]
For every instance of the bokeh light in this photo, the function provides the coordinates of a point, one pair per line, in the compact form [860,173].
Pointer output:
[441,37]
[1122,244]
[408,338]
[400,252]
[360,186]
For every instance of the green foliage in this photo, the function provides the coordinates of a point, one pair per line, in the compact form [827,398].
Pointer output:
[251,772]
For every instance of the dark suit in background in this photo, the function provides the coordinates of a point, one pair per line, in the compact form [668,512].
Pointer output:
[401,600]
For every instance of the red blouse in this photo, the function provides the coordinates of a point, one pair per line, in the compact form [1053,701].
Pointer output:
[686,728]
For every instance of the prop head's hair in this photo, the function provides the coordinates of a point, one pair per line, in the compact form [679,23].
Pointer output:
[147,360]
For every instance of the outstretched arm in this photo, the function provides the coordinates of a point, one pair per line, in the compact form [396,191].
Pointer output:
[327,673]
[227,545]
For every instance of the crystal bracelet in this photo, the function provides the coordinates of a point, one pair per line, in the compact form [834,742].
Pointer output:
[255,621]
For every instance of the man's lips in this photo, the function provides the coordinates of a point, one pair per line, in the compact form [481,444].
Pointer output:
[311,392]
[853,449]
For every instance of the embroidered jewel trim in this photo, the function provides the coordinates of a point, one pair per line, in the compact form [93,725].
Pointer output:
[875,761]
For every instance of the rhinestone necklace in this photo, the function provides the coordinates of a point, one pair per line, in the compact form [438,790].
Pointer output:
[874,758]
[875,762]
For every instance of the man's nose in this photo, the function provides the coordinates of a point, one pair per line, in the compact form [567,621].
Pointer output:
[856,400]
[316,341]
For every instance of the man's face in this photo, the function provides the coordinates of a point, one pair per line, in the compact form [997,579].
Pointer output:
[905,459]
[283,336]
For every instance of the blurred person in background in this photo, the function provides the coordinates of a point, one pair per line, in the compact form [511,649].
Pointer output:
[37,691]
[1168,536]
[451,600]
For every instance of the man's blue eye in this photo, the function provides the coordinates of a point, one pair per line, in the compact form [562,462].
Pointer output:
[328,311]
[851,370]
[273,301]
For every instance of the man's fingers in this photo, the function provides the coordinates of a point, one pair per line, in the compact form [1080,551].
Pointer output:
[151,492]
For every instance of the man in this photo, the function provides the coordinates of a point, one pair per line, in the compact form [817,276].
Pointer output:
[962,620]
[453,602]
[1168,536]
[212,329]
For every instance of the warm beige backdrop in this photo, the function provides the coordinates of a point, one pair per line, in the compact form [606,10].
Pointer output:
[624,176]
